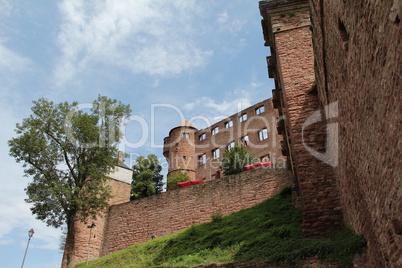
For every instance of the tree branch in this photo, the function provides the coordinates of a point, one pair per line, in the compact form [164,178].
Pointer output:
[50,181]
[65,155]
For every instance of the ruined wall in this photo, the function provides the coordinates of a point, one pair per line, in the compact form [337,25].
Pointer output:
[88,241]
[259,148]
[121,193]
[165,213]
[185,153]
[286,27]
[357,46]
[179,150]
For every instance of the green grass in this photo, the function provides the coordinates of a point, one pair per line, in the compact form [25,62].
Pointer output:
[269,231]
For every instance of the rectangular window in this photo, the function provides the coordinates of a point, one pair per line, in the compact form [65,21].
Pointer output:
[203,136]
[202,159]
[215,130]
[216,153]
[265,158]
[186,135]
[243,117]
[259,110]
[230,145]
[263,134]
[229,124]
[244,141]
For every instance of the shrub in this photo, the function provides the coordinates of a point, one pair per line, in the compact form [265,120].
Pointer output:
[176,178]
[235,159]
[217,216]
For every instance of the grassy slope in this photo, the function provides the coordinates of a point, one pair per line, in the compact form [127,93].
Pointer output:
[270,231]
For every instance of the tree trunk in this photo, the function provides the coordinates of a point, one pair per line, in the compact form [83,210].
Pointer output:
[69,249]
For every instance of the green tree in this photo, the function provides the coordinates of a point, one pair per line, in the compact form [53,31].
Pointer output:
[68,151]
[147,179]
[176,178]
[235,159]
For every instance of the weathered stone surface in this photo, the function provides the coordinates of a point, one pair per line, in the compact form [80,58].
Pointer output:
[166,213]
[357,46]
[287,31]
[183,152]
[357,63]
[121,194]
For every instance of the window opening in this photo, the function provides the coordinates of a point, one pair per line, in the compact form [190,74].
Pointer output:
[216,153]
[243,117]
[230,145]
[202,159]
[229,124]
[263,134]
[203,136]
[260,110]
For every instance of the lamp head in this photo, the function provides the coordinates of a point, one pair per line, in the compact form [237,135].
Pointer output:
[31,233]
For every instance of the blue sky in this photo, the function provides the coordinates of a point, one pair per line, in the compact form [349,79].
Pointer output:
[170,60]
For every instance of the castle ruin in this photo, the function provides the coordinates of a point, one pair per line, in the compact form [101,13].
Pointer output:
[198,152]
[336,66]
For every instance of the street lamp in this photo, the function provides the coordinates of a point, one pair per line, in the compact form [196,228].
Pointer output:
[89,240]
[30,234]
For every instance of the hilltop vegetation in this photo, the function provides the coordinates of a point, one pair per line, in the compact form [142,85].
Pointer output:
[269,231]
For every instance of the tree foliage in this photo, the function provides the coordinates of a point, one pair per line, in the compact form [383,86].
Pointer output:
[234,159]
[147,179]
[176,178]
[67,151]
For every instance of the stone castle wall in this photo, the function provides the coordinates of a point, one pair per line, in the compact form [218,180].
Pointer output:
[179,150]
[121,193]
[357,47]
[287,31]
[185,145]
[356,50]
[353,63]
[166,213]
[269,148]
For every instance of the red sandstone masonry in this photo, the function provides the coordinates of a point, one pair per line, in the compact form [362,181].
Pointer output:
[286,30]
[357,45]
[182,153]
[166,213]
[121,193]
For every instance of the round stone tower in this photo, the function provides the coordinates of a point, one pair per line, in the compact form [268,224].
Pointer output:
[179,150]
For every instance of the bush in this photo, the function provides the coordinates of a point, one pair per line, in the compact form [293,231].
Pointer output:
[235,159]
[217,216]
[147,179]
[172,180]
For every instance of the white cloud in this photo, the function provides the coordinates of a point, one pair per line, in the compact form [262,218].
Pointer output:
[230,24]
[5,7]
[153,37]
[222,17]
[222,108]
[11,62]
[212,110]
[15,213]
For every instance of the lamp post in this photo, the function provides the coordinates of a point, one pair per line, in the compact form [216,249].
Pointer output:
[30,234]
[89,240]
